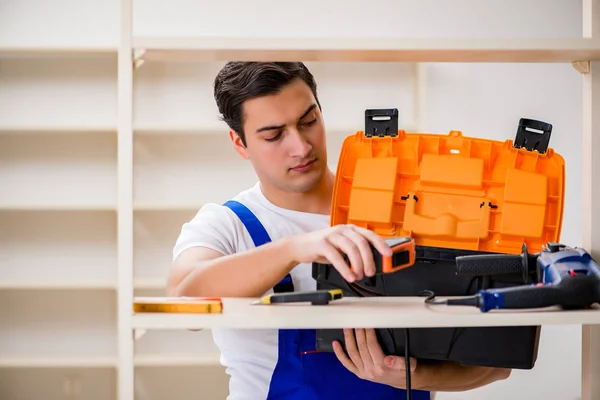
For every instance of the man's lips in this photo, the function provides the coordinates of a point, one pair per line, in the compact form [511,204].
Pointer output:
[304,166]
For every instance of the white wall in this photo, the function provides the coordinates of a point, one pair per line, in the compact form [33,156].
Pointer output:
[173,174]
[487,102]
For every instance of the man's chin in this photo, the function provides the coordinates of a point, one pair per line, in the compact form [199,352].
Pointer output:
[305,183]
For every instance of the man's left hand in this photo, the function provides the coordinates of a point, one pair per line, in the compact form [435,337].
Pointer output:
[366,359]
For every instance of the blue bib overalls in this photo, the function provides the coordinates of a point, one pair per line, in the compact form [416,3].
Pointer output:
[303,373]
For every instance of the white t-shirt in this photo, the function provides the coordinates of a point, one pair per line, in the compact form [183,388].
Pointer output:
[249,355]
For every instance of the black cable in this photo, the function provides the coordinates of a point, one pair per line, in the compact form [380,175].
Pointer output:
[360,291]
[363,289]
[349,287]
[431,298]
[352,289]
[459,331]
[474,301]
[406,352]
[407,364]
[466,301]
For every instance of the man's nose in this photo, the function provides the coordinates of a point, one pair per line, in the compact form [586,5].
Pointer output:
[299,146]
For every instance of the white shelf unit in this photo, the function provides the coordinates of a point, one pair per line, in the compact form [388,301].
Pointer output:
[193,50]
[58,204]
[100,184]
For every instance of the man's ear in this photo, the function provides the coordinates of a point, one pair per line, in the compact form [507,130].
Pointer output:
[238,145]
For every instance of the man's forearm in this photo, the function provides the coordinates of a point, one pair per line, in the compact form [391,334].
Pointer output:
[452,377]
[247,274]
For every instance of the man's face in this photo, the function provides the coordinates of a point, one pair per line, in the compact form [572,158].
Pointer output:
[285,138]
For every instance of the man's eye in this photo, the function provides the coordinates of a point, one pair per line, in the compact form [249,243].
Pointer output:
[274,138]
[309,123]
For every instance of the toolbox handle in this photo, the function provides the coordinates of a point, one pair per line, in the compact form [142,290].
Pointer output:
[533,135]
[381,122]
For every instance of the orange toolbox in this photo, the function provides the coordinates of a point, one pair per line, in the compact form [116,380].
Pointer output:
[452,195]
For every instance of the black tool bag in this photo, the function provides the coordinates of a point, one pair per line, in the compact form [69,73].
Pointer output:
[434,272]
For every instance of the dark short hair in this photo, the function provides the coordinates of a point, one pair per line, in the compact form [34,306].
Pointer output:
[239,81]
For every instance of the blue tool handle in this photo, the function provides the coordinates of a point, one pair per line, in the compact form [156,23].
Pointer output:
[520,297]
[573,292]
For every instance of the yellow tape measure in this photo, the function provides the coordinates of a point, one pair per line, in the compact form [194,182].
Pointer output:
[182,305]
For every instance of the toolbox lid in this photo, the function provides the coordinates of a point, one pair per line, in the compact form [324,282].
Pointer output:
[451,191]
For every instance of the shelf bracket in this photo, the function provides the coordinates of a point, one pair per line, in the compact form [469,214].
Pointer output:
[138,334]
[583,67]
[138,58]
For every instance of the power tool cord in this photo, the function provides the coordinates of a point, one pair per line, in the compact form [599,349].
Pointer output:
[406,355]
[356,289]
[407,365]
[466,301]
[361,291]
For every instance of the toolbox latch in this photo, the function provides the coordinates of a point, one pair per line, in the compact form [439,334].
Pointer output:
[533,135]
[381,122]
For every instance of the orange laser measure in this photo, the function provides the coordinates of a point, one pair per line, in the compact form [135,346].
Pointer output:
[403,255]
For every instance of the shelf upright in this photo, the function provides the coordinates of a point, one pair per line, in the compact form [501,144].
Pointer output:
[125,375]
[590,352]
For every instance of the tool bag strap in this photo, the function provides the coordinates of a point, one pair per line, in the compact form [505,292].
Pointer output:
[259,236]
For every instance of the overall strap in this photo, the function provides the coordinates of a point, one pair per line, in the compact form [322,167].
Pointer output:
[259,236]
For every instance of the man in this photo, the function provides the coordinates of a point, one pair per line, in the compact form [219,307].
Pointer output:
[268,236]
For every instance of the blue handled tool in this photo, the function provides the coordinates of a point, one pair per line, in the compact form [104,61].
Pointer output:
[567,277]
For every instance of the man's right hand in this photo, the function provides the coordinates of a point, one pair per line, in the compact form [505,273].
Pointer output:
[331,244]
